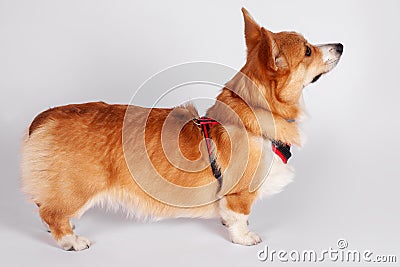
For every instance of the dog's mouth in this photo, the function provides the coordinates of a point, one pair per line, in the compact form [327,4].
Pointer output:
[316,78]
[331,64]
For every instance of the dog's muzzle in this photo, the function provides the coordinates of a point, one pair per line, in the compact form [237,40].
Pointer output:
[331,52]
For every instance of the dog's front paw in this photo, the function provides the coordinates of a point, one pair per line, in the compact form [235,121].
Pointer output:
[74,243]
[246,239]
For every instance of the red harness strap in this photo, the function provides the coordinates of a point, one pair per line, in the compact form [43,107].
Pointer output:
[205,124]
[282,150]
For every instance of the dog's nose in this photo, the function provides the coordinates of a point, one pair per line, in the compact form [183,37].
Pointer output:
[339,48]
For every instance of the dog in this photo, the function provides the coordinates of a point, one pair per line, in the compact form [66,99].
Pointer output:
[167,163]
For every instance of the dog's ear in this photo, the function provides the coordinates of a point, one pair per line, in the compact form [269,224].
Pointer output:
[251,30]
[269,51]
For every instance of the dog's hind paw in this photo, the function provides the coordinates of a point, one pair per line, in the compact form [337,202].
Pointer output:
[247,239]
[74,243]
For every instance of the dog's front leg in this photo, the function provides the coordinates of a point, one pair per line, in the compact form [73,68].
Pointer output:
[234,212]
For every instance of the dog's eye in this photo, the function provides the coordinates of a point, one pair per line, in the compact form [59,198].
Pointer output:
[308,51]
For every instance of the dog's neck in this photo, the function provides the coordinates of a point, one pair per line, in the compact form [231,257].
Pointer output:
[238,105]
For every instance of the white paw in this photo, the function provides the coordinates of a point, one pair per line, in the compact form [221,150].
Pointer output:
[246,239]
[74,243]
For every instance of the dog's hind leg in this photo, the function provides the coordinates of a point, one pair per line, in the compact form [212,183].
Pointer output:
[47,228]
[234,212]
[58,221]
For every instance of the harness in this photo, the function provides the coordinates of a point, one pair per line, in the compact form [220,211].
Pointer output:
[280,149]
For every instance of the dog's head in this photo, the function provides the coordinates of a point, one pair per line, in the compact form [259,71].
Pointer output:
[285,62]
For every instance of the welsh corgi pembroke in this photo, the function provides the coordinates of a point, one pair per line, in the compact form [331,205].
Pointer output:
[160,163]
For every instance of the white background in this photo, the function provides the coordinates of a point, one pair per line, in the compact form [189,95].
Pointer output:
[347,175]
